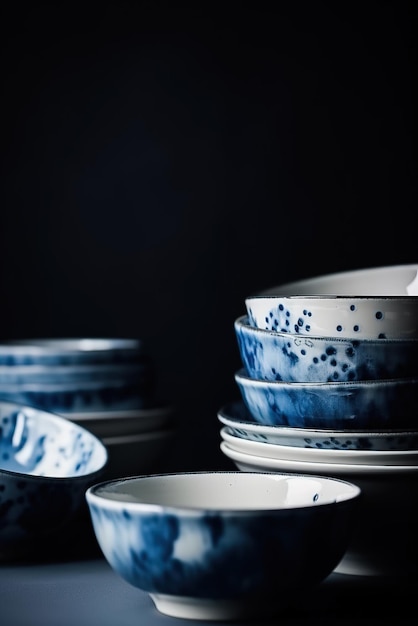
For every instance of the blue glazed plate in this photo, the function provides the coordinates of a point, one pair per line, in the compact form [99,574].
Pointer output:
[237,418]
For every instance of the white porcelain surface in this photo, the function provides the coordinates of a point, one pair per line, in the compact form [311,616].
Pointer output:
[318,455]
[367,317]
[392,280]
[385,541]
[260,463]
[236,416]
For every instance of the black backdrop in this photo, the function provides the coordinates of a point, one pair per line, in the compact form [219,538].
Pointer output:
[161,161]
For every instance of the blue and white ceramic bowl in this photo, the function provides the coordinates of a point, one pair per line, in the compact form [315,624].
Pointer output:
[68,351]
[219,545]
[355,317]
[272,355]
[82,396]
[390,280]
[46,464]
[241,423]
[357,405]
[73,374]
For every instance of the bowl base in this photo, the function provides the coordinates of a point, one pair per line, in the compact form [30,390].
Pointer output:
[213,610]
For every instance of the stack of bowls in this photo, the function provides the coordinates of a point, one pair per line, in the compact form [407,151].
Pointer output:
[329,386]
[106,385]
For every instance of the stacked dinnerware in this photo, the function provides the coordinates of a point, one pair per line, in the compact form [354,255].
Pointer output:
[107,385]
[329,386]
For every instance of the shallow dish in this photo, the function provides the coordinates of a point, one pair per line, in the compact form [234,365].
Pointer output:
[292,357]
[319,455]
[385,540]
[390,280]
[210,545]
[46,464]
[361,317]
[239,420]
[358,405]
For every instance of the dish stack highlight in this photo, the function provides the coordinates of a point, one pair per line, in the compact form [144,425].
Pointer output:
[108,386]
[329,386]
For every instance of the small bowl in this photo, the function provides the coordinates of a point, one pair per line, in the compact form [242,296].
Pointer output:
[360,317]
[218,545]
[358,405]
[46,465]
[240,422]
[125,422]
[73,374]
[272,355]
[390,280]
[384,544]
[85,395]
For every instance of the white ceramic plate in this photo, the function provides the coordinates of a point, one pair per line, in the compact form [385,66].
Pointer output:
[318,455]
[251,462]
[237,417]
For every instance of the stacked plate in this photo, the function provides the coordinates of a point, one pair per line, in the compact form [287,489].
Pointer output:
[107,385]
[329,386]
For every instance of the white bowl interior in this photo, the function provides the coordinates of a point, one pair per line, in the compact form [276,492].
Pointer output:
[397,280]
[230,491]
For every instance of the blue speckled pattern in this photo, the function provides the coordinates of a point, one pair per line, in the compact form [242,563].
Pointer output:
[83,395]
[46,463]
[271,355]
[220,554]
[356,317]
[356,405]
[240,423]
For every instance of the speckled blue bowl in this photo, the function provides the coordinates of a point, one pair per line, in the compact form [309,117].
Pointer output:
[46,464]
[272,355]
[357,405]
[355,317]
[84,395]
[219,545]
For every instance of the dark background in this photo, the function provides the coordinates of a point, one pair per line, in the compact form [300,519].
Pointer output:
[161,161]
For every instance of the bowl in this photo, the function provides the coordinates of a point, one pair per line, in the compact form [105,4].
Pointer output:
[357,405]
[46,465]
[273,355]
[64,374]
[236,416]
[390,280]
[84,395]
[318,455]
[223,545]
[384,544]
[359,317]
[72,351]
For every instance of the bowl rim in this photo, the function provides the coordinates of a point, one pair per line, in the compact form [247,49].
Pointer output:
[243,322]
[94,496]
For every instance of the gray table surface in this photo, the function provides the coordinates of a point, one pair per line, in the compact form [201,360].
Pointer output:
[85,591]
